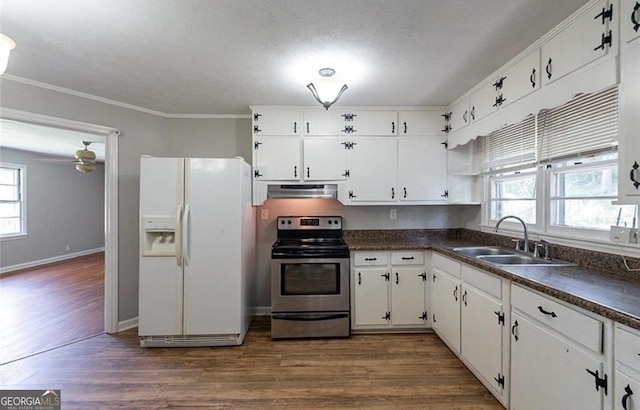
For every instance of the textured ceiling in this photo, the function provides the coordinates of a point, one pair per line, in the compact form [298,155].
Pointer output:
[220,56]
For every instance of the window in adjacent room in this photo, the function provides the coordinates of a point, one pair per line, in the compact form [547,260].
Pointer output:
[12,203]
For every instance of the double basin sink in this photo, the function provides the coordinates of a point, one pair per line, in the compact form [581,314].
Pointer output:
[500,256]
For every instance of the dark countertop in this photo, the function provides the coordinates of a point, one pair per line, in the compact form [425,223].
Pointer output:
[606,293]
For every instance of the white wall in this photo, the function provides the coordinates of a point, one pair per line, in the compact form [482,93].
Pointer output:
[64,208]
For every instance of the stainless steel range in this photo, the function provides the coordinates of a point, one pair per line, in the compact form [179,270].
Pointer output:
[309,278]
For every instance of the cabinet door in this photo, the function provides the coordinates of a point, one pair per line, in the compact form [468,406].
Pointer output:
[422,169]
[629,137]
[575,46]
[324,159]
[445,300]
[627,392]
[324,123]
[482,334]
[547,372]
[276,122]
[277,158]
[421,123]
[407,296]
[483,102]
[629,20]
[522,79]
[373,169]
[460,116]
[373,123]
[370,296]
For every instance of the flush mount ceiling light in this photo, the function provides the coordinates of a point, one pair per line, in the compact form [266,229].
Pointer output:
[327,90]
[6,45]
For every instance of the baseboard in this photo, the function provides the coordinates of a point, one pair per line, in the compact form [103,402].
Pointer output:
[263,310]
[127,324]
[33,264]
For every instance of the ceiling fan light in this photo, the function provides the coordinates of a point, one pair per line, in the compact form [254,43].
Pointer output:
[85,155]
[6,45]
[85,168]
[327,90]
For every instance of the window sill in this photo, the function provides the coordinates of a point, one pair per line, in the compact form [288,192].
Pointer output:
[13,237]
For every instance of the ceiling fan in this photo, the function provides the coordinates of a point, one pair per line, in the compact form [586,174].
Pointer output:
[85,159]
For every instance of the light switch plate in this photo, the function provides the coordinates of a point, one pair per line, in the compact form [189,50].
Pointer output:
[393,214]
[264,214]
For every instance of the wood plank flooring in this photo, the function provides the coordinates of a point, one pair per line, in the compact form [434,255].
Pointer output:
[51,305]
[365,371]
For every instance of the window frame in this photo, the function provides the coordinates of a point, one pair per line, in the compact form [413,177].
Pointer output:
[507,174]
[22,191]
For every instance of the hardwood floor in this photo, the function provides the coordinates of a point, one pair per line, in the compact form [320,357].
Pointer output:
[366,371]
[50,306]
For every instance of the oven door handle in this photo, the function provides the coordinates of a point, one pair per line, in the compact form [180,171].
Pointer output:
[310,317]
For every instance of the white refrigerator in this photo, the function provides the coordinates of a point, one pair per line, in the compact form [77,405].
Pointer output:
[197,252]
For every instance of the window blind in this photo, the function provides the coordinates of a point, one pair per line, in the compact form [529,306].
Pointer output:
[586,124]
[509,146]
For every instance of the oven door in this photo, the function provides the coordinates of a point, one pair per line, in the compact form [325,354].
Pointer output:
[310,285]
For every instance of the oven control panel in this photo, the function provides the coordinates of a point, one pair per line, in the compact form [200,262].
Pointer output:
[309,222]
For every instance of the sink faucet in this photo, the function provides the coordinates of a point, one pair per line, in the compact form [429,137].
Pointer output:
[524,226]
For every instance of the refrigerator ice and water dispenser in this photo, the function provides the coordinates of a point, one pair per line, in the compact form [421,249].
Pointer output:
[159,238]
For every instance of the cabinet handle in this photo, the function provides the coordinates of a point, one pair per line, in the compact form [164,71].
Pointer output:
[393,193]
[295,127]
[370,259]
[405,127]
[513,330]
[546,312]
[455,293]
[464,116]
[408,258]
[473,112]
[532,78]
[549,68]
[359,278]
[628,393]
[433,318]
[405,192]
[308,173]
[634,19]
[464,298]
[397,279]
[295,171]
[393,127]
[632,174]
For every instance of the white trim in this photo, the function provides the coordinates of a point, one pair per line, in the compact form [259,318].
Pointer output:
[116,103]
[33,264]
[127,324]
[111,200]
[262,310]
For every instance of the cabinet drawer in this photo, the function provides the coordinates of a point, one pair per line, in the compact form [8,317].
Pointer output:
[627,349]
[407,258]
[483,281]
[571,323]
[445,264]
[370,259]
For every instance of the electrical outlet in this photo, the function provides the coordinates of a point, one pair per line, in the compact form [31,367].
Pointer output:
[67,248]
[264,214]
[393,214]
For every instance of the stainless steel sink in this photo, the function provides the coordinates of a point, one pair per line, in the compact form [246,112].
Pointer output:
[500,256]
[484,250]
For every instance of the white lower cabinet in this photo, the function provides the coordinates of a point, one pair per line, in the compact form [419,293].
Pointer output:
[551,369]
[626,383]
[445,305]
[388,291]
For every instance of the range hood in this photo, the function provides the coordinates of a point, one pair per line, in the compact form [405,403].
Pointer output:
[326,191]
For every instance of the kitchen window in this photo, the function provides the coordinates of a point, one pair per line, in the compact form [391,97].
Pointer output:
[513,193]
[12,202]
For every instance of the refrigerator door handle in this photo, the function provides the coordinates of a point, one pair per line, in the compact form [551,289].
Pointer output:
[186,233]
[178,238]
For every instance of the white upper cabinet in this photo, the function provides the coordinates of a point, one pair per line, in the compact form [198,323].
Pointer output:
[483,102]
[459,116]
[371,123]
[324,123]
[521,79]
[585,40]
[629,136]
[276,158]
[373,170]
[413,123]
[325,159]
[422,169]
[629,20]
[276,122]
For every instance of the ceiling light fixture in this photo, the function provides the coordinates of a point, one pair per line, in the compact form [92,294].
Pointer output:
[6,45]
[327,90]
